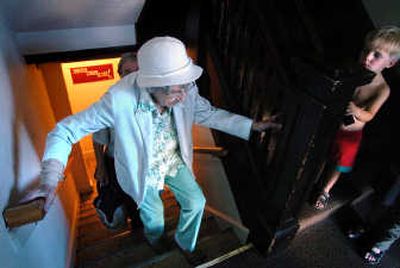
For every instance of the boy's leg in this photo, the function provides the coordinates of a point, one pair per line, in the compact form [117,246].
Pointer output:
[347,144]
[323,196]
[331,181]
[192,201]
[152,215]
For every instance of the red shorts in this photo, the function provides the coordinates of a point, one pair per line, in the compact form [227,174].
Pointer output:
[346,147]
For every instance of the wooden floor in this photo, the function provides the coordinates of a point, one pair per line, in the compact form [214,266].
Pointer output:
[127,247]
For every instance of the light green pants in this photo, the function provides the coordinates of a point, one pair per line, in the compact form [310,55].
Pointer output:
[191,201]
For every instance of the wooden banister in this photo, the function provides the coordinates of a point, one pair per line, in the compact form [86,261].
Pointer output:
[25,213]
[31,208]
[213,150]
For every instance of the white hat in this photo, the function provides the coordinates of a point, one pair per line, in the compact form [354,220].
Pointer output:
[163,61]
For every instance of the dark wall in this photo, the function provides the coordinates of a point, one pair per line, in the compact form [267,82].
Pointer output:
[341,26]
[177,18]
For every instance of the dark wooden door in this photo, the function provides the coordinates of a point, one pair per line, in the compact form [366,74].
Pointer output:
[277,57]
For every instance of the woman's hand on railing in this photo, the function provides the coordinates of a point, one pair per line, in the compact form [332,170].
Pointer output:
[267,124]
[31,208]
[52,172]
[34,204]
[213,150]
[44,191]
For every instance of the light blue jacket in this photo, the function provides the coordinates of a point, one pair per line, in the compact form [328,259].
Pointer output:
[119,109]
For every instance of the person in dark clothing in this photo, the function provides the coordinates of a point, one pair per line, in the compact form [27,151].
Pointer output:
[113,205]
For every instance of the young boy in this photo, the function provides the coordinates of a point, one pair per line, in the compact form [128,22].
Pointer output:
[382,50]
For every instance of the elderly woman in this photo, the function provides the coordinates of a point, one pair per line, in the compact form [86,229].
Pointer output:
[152,112]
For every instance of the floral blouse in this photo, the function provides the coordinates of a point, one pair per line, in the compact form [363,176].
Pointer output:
[166,160]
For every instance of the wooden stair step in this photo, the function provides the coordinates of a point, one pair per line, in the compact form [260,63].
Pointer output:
[128,249]
[88,221]
[212,242]
[208,226]
[122,258]
[212,246]
[107,247]
[92,234]
[95,231]
[87,203]
[90,226]
[88,238]
[86,208]
[87,214]
[100,247]
[172,258]
[219,244]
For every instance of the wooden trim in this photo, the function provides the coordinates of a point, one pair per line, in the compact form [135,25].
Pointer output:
[79,55]
[226,256]
[213,150]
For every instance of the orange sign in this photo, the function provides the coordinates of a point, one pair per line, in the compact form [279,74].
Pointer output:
[92,73]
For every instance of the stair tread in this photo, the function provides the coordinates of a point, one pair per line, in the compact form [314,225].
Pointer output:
[108,247]
[97,232]
[103,234]
[141,255]
[100,247]
[212,246]
[87,214]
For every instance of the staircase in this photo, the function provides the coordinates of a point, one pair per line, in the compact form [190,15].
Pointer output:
[127,247]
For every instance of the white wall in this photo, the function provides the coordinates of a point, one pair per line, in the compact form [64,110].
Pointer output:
[26,117]
[76,39]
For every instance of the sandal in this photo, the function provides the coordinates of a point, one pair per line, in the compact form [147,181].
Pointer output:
[322,201]
[374,256]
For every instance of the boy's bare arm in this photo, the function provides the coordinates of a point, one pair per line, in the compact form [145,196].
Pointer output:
[366,114]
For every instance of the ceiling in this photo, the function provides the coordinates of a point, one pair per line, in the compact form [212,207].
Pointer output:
[46,26]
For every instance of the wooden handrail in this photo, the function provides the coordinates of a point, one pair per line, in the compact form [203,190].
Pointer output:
[31,208]
[29,212]
[213,150]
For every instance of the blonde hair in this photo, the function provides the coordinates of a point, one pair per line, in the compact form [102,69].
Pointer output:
[386,38]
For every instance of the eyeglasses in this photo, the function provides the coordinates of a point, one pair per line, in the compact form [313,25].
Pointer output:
[174,89]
